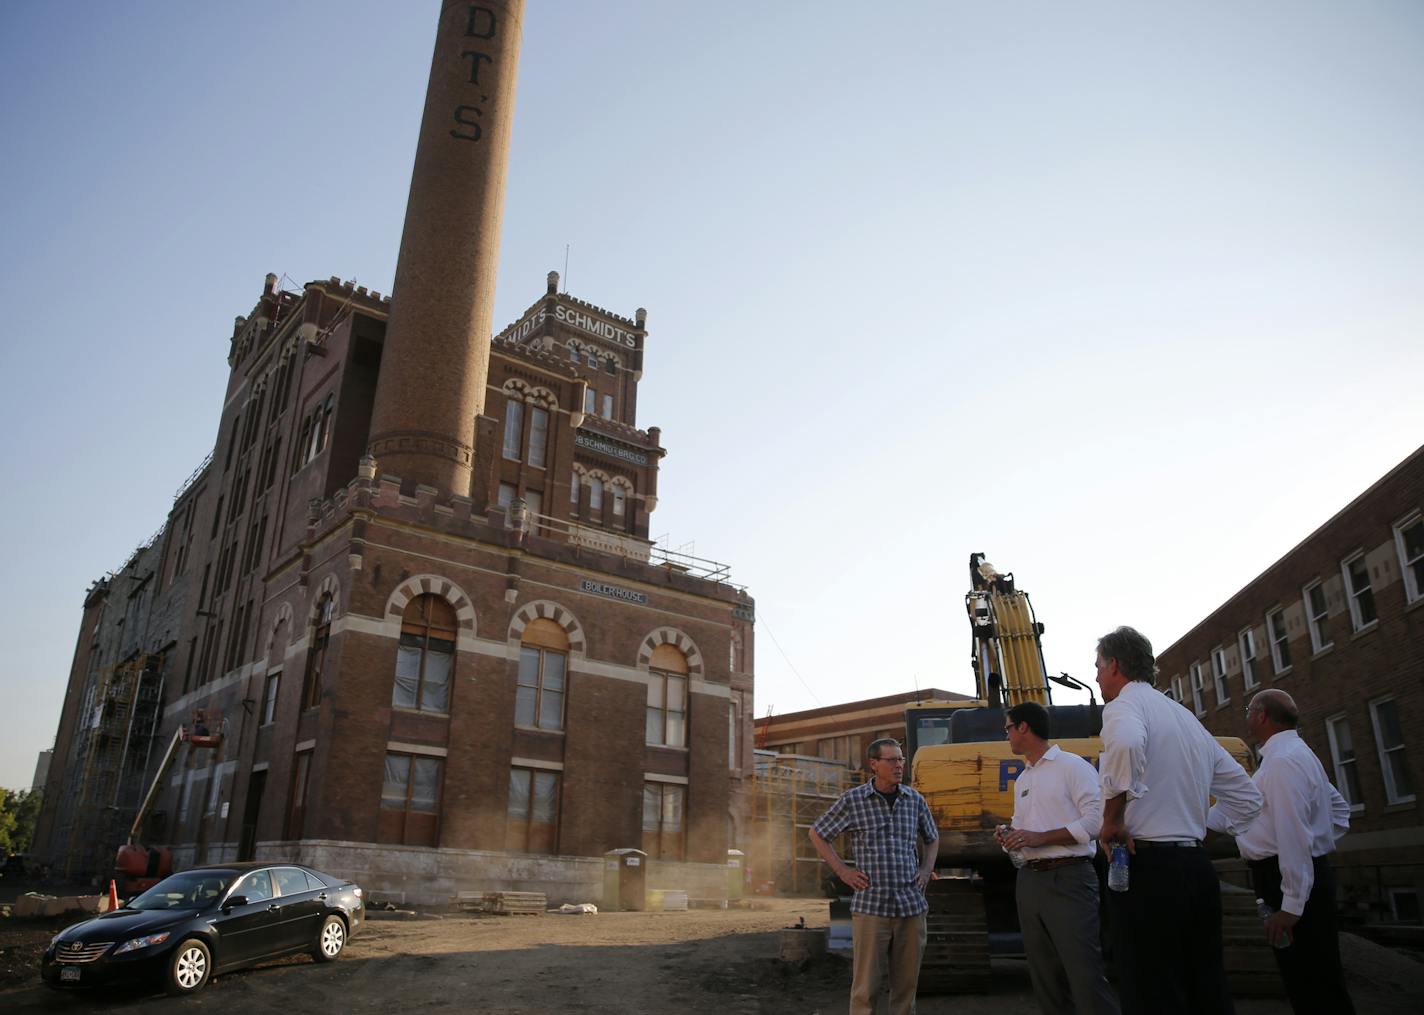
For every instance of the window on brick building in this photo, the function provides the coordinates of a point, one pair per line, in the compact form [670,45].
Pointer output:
[590,401]
[538,436]
[1389,740]
[1342,759]
[664,807]
[1317,616]
[595,494]
[543,674]
[574,489]
[1361,595]
[667,698]
[1280,641]
[269,698]
[1198,686]
[426,655]
[410,800]
[507,493]
[573,353]
[316,655]
[532,819]
[607,406]
[513,428]
[610,365]
[1174,691]
[591,358]
[1409,541]
[1246,642]
[297,800]
[1218,675]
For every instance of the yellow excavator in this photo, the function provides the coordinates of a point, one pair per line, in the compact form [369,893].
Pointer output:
[960,761]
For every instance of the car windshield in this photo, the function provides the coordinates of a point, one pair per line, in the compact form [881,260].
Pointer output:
[191,890]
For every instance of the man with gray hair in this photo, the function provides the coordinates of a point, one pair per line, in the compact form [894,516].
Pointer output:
[1159,766]
[1287,850]
[887,821]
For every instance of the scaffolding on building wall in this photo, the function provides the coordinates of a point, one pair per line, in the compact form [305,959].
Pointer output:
[113,742]
[789,792]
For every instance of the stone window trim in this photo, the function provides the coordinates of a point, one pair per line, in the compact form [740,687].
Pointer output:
[1409,544]
[678,639]
[430,584]
[548,610]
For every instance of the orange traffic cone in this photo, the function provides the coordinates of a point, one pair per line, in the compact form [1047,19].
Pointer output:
[113,896]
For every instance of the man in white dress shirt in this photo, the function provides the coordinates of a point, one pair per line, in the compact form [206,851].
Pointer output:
[1158,768]
[1058,807]
[1287,850]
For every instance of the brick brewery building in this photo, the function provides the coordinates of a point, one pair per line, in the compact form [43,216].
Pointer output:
[1338,623]
[412,589]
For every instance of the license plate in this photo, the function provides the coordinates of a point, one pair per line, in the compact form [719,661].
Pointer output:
[68,974]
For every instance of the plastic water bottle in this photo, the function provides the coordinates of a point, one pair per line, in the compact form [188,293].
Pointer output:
[1117,869]
[1264,910]
[1016,856]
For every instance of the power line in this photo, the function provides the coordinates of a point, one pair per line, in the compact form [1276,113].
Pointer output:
[761,622]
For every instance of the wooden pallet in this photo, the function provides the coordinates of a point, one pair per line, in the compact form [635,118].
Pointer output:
[516,903]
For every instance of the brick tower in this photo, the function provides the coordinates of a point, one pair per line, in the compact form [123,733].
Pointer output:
[436,356]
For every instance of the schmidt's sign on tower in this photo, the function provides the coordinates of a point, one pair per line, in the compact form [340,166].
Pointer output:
[573,318]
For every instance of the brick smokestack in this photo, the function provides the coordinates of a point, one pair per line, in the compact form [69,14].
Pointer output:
[436,358]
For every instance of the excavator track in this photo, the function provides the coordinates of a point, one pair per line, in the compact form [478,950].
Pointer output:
[1250,966]
[956,958]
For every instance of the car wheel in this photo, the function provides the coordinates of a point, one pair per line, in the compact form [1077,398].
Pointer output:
[331,940]
[189,967]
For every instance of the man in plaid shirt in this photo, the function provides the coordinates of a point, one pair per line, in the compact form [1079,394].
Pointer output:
[887,820]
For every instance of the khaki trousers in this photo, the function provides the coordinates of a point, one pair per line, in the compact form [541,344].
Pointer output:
[896,941]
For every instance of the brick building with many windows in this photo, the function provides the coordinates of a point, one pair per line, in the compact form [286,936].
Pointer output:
[428,692]
[1339,624]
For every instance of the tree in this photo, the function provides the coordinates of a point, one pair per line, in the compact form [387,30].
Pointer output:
[18,811]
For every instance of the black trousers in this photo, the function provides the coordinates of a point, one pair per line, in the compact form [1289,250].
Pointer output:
[1310,967]
[1166,935]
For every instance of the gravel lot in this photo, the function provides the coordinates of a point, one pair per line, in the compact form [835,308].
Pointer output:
[700,962]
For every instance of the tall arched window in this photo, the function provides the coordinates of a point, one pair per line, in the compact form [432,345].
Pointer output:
[426,655]
[543,663]
[595,494]
[316,656]
[667,698]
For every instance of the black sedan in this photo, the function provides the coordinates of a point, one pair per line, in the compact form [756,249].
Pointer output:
[208,920]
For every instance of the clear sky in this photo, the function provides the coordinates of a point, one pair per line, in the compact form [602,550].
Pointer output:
[1126,296]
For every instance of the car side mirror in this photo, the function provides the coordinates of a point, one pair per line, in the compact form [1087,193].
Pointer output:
[234,901]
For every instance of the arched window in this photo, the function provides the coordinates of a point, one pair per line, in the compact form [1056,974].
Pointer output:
[620,496]
[667,698]
[543,663]
[426,655]
[316,655]
[595,494]
[574,490]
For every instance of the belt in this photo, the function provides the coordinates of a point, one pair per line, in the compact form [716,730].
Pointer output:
[1050,863]
[1166,843]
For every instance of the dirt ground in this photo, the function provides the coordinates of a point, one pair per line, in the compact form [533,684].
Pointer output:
[704,962]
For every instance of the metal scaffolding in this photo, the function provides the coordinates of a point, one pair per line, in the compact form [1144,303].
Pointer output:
[789,792]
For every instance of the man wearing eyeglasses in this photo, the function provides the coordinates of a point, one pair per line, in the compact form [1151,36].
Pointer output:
[1288,849]
[887,820]
[1058,809]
